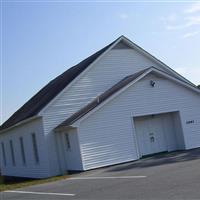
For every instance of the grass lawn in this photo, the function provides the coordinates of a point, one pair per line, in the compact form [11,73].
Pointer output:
[11,185]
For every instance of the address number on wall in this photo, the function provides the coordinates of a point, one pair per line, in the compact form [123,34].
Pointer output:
[190,122]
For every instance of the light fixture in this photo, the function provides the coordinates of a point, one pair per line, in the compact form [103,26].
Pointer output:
[152,83]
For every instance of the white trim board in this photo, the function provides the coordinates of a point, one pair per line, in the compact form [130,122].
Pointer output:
[129,43]
[21,123]
[187,85]
[150,56]
[77,78]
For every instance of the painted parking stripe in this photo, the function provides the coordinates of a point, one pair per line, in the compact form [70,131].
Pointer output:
[40,193]
[105,177]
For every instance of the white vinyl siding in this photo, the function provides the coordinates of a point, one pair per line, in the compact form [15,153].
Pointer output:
[73,156]
[99,78]
[95,81]
[30,169]
[107,136]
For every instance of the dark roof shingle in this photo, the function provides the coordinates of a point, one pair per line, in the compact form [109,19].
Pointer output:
[47,93]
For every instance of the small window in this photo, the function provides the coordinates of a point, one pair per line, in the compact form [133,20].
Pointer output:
[3,153]
[22,150]
[68,141]
[12,152]
[35,148]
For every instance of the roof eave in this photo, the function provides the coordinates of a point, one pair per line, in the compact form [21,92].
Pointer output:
[76,122]
[152,69]
[140,49]
[20,123]
[81,74]
[61,129]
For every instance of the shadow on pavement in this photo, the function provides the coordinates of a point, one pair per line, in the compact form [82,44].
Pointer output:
[160,159]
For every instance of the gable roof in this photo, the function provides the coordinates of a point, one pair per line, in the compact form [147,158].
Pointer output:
[150,56]
[39,101]
[114,89]
[47,93]
[100,99]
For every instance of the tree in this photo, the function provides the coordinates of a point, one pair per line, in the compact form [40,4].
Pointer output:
[198,86]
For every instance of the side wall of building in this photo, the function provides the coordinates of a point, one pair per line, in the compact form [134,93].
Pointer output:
[16,163]
[70,150]
[113,67]
[108,135]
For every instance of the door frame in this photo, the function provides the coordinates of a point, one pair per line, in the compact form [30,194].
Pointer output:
[136,142]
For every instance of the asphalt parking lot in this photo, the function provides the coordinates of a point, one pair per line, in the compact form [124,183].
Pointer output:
[166,176]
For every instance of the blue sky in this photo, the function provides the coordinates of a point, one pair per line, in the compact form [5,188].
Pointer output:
[40,40]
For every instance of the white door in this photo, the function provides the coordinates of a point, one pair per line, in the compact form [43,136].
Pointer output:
[150,135]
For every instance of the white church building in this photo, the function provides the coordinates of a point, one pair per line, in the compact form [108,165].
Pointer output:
[116,106]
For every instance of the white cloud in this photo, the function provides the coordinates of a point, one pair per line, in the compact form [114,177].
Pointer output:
[188,22]
[175,27]
[193,20]
[194,8]
[191,74]
[190,34]
[170,18]
[123,16]
[189,18]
